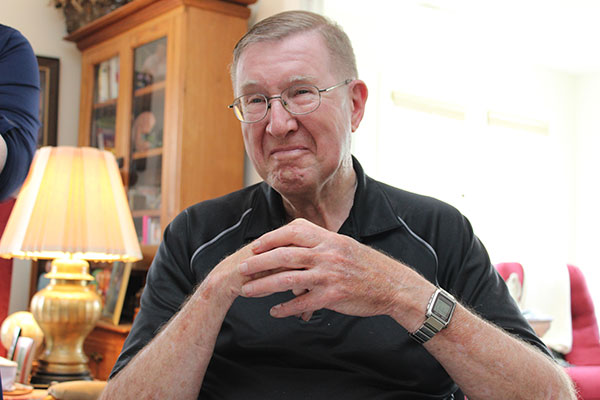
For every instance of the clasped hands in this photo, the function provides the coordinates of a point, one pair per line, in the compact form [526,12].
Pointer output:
[324,270]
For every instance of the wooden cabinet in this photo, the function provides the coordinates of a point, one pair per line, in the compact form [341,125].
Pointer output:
[154,90]
[103,347]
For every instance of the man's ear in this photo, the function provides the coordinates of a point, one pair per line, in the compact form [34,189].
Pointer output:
[358,95]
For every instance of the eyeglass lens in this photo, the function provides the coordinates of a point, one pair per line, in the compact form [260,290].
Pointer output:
[298,99]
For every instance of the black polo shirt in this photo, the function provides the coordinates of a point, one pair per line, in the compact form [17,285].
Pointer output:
[332,355]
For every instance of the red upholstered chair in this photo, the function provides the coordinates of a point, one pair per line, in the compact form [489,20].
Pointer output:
[507,268]
[5,267]
[585,353]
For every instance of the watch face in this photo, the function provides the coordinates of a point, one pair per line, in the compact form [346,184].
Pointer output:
[442,308]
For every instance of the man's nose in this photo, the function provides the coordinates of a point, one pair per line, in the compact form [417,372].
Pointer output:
[280,120]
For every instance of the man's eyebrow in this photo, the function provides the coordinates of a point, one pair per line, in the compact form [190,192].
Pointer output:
[292,80]
[255,86]
[247,85]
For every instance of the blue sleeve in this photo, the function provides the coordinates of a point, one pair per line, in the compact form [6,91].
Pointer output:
[19,107]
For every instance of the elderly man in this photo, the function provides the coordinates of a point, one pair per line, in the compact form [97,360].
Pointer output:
[320,282]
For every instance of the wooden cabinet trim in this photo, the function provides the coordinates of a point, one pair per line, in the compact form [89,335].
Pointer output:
[131,14]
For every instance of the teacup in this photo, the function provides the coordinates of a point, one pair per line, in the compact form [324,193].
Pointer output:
[8,372]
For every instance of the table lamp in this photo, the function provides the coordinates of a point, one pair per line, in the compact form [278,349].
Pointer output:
[71,208]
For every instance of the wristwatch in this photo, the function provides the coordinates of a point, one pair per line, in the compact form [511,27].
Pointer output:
[439,312]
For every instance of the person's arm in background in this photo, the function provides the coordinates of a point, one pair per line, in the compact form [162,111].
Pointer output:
[19,108]
[2,153]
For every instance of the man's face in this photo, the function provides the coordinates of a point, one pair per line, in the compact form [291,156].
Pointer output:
[295,154]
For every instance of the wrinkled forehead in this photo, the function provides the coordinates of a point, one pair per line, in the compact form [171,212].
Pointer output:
[293,59]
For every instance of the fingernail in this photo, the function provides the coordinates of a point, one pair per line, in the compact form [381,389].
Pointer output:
[255,245]
[275,311]
[247,289]
[243,268]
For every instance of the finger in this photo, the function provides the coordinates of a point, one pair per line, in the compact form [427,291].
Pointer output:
[275,283]
[298,292]
[283,257]
[300,233]
[259,275]
[306,316]
[302,305]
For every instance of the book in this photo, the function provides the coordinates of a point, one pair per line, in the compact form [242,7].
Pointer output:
[103,81]
[13,345]
[113,77]
[24,358]
[145,229]
[155,231]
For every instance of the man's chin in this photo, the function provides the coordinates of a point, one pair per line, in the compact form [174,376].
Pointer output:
[289,182]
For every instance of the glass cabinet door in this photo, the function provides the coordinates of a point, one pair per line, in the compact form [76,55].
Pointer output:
[104,108]
[147,116]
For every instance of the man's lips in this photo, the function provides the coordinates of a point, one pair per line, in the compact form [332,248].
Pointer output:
[288,151]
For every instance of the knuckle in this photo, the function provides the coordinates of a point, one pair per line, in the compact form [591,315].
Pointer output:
[285,256]
[295,229]
[299,304]
[288,280]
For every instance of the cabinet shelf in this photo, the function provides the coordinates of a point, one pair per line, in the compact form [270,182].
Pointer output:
[147,153]
[143,213]
[154,87]
[104,104]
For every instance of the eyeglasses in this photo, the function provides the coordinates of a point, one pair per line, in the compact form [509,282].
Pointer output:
[297,100]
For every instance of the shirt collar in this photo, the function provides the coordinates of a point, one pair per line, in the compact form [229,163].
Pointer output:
[372,212]
[267,212]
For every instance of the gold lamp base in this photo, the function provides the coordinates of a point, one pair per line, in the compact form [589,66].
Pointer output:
[66,310]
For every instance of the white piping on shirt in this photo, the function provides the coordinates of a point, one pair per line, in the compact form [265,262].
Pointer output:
[420,239]
[219,236]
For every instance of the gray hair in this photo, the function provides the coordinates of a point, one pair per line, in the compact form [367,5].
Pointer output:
[288,23]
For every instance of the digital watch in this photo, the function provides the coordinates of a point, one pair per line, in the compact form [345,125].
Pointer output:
[439,312]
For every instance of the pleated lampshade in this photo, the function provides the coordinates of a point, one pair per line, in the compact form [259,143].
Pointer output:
[72,206]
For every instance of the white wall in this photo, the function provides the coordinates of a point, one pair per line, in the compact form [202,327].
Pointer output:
[587,178]
[508,183]
[44,27]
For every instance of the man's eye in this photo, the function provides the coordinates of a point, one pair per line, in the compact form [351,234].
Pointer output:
[300,91]
[254,100]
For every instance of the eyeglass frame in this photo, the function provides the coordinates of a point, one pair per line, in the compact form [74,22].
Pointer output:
[283,103]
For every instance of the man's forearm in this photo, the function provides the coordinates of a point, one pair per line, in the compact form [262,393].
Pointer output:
[173,364]
[483,360]
[487,363]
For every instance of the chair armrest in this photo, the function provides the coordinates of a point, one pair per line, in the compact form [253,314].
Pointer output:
[77,390]
[584,356]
